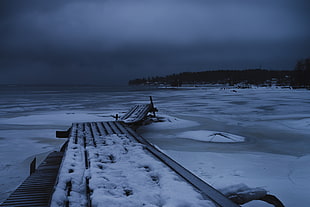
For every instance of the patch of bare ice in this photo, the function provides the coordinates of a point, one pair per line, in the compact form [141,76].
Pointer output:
[58,117]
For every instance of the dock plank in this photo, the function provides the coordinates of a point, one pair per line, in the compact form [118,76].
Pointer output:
[107,128]
[101,128]
[89,136]
[114,128]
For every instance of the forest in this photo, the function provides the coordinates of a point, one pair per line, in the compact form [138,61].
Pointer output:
[299,77]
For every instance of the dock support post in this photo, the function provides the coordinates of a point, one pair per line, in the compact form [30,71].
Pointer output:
[33,165]
[153,109]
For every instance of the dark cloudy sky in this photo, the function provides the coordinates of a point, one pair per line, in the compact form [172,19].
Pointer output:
[112,41]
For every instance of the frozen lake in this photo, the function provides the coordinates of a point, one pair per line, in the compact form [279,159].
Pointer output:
[274,122]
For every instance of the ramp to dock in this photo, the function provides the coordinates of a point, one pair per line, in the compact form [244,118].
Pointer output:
[37,189]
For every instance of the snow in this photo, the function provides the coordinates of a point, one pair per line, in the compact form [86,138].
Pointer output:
[287,177]
[242,194]
[274,123]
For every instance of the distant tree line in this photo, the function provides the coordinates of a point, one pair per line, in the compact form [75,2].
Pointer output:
[302,73]
[299,77]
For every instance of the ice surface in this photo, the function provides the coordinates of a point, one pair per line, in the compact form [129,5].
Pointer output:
[273,121]
[287,177]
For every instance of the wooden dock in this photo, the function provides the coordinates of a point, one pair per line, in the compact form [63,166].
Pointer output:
[89,136]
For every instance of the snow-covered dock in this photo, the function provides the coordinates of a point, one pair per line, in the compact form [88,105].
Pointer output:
[108,163]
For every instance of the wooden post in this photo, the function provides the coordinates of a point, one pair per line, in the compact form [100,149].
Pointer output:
[152,106]
[33,165]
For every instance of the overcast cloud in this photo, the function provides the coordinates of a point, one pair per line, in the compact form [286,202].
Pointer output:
[99,42]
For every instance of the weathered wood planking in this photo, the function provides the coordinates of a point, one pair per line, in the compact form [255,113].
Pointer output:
[37,189]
